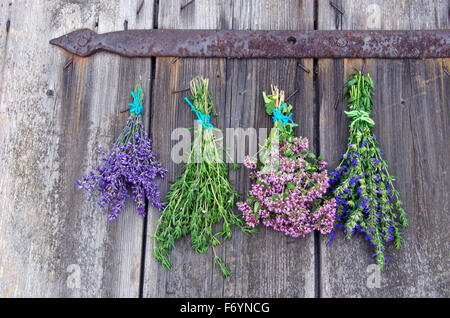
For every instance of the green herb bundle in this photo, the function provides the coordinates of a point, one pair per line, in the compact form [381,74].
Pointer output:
[366,198]
[203,195]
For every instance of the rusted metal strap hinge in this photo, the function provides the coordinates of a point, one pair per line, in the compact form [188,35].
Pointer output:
[261,44]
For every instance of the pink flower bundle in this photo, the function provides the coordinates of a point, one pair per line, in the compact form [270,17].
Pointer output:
[290,183]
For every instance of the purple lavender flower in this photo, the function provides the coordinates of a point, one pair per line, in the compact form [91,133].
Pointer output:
[129,170]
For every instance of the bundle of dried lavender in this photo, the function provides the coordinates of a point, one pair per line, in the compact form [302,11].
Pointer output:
[129,169]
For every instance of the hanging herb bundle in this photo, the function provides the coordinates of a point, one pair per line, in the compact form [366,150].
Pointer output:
[365,195]
[130,168]
[203,195]
[288,194]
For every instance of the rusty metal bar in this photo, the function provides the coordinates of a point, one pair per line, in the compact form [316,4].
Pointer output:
[261,44]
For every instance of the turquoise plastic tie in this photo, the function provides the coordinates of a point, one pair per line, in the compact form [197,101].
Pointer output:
[283,119]
[136,106]
[204,118]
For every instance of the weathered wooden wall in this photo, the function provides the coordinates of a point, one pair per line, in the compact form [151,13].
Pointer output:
[411,115]
[261,266]
[58,110]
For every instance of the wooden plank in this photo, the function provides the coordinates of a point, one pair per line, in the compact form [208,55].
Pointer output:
[191,275]
[54,116]
[411,115]
[267,264]
[270,264]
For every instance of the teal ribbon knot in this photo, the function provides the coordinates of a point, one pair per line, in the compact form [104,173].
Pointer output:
[283,119]
[135,106]
[204,118]
[360,115]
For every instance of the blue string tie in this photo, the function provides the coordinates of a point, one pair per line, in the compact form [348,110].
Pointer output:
[283,119]
[203,118]
[136,106]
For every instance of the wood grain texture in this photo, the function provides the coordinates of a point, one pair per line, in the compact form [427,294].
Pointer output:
[58,110]
[266,264]
[192,274]
[411,115]
[270,264]
[53,120]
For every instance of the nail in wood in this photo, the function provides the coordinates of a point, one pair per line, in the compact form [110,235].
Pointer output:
[295,92]
[181,90]
[187,4]
[337,101]
[68,63]
[363,67]
[303,67]
[336,8]
[174,60]
[141,5]
[446,72]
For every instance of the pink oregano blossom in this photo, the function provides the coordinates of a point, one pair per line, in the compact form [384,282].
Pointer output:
[290,183]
